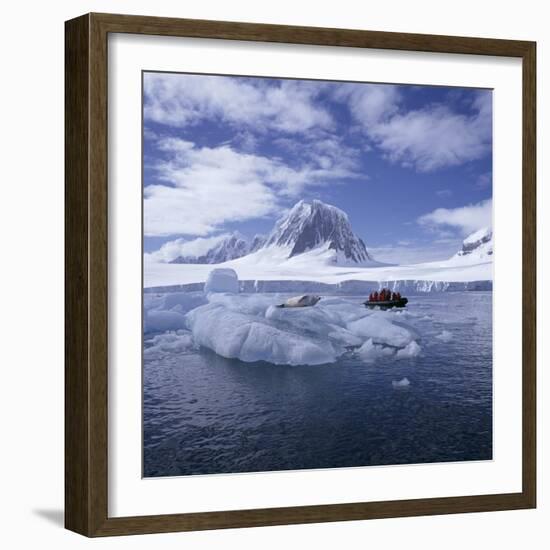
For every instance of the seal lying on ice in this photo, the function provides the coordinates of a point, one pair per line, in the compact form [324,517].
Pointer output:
[306,300]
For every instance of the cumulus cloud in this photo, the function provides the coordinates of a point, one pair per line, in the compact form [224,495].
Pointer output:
[282,105]
[198,189]
[425,139]
[201,188]
[465,219]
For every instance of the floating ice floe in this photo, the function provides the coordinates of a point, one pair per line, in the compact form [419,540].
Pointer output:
[382,330]
[401,384]
[168,343]
[410,350]
[445,336]
[166,312]
[369,352]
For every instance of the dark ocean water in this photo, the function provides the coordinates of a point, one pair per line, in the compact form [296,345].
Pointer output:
[203,414]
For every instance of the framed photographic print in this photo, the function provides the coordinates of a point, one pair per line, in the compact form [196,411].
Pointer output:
[300,275]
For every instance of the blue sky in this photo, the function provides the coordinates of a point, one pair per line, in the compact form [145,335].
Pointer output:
[410,165]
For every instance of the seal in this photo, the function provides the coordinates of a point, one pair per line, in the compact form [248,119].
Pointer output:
[307,300]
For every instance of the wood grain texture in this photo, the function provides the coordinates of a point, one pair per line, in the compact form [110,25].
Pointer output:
[86,258]
[529,274]
[77,458]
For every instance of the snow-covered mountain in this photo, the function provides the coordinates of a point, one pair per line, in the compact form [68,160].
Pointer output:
[476,248]
[308,226]
[230,248]
[257,242]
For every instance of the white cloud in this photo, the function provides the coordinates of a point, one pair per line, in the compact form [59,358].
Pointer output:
[199,189]
[370,104]
[205,188]
[425,139]
[466,219]
[181,247]
[262,104]
[327,152]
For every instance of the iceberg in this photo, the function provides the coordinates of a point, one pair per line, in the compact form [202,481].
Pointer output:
[250,338]
[222,280]
[251,328]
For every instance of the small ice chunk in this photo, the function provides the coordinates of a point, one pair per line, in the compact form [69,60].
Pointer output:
[379,327]
[163,321]
[222,280]
[410,350]
[369,352]
[400,384]
[445,336]
[168,343]
[162,312]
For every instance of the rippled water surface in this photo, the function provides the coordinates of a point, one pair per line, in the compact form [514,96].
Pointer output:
[204,414]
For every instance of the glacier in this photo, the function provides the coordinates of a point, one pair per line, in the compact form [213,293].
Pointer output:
[270,270]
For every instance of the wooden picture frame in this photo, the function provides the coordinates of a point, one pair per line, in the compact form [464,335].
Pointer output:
[86,283]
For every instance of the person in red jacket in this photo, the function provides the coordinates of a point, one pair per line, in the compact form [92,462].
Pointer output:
[375,296]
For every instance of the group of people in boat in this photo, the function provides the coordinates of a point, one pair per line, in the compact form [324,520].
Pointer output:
[385,295]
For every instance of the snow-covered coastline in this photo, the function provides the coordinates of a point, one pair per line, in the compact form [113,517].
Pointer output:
[308,270]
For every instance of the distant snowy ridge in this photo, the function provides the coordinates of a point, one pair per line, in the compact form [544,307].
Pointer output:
[476,248]
[306,227]
[232,247]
